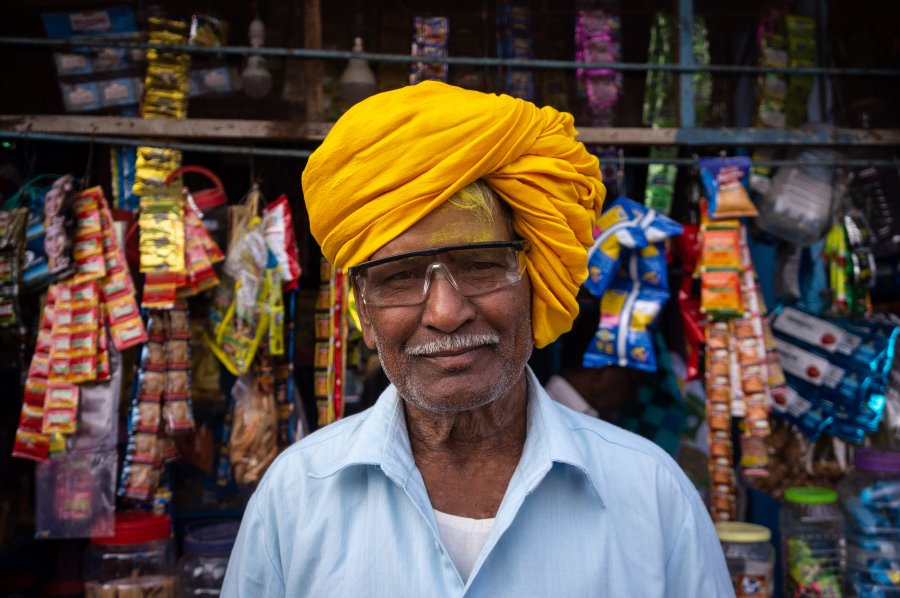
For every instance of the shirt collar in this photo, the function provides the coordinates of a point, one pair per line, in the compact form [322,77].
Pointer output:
[381,439]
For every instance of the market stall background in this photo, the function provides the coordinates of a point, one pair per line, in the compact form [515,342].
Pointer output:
[650,97]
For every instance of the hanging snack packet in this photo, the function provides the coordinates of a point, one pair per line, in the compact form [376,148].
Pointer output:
[279,233]
[239,319]
[624,224]
[623,337]
[721,293]
[604,255]
[725,183]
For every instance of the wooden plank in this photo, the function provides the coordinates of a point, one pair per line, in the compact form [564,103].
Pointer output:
[291,131]
[194,128]
[739,137]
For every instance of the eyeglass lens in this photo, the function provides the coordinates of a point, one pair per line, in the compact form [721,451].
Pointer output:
[472,271]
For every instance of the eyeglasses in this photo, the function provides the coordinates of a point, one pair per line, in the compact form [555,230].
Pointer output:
[474,269]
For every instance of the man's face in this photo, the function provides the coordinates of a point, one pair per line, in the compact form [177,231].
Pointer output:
[441,380]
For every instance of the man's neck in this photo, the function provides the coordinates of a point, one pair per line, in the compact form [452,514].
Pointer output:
[467,458]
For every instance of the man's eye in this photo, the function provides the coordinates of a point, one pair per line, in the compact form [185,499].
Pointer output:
[483,266]
[401,275]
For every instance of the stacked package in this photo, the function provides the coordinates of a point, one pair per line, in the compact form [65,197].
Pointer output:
[837,372]
[161,406]
[660,101]
[162,216]
[627,269]
[516,40]
[81,314]
[430,36]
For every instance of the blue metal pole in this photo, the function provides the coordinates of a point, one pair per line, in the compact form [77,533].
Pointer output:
[687,117]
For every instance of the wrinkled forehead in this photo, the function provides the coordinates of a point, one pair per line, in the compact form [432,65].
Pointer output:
[452,223]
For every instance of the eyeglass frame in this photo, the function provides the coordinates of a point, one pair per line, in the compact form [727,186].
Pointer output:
[354,271]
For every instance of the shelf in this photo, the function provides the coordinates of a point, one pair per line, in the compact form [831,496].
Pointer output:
[280,132]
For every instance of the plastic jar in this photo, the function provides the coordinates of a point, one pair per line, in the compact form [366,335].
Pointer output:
[812,542]
[870,498]
[201,569]
[139,560]
[750,557]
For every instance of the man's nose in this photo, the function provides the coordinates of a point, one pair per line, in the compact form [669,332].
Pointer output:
[446,308]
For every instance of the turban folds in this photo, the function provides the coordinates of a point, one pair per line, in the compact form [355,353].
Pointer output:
[396,156]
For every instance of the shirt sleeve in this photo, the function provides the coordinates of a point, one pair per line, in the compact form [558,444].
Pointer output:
[696,565]
[252,571]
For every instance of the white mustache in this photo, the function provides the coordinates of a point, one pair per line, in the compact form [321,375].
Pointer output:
[452,342]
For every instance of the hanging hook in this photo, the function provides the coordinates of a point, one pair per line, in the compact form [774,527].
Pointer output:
[85,180]
[620,174]
[252,167]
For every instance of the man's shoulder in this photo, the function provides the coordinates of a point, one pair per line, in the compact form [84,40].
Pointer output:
[614,449]
[318,451]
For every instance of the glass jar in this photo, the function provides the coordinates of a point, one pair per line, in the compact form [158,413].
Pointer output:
[750,557]
[138,560]
[201,569]
[812,542]
[870,498]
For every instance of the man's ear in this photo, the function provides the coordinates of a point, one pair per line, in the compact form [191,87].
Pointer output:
[366,324]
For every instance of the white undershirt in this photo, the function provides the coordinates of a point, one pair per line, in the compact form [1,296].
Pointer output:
[561,391]
[464,538]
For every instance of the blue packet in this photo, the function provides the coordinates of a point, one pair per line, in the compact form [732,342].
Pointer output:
[615,228]
[725,182]
[625,224]
[623,336]
[649,267]
[811,419]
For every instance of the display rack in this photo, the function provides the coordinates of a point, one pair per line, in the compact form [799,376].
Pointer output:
[183,134]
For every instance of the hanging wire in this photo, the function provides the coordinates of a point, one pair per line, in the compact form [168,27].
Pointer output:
[304,154]
[526,63]
[178,145]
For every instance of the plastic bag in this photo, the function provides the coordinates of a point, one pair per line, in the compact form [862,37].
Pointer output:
[799,205]
[76,495]
[254,430]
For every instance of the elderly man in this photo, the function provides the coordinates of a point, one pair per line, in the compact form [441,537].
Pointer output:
[463,219]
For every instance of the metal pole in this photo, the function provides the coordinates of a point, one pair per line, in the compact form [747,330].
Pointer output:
[687,117]
[524,63]
[304,154]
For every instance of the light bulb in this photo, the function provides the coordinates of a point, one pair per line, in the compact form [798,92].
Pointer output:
[357,80]
[255,78]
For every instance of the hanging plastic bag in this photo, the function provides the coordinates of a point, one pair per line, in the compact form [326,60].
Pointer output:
[76,495]
[254,430]
[279,227]
[799,205]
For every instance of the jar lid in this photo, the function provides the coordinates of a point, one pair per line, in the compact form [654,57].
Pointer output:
[137,528]
[214,539]
[810,495]
[873,459]
[738,531]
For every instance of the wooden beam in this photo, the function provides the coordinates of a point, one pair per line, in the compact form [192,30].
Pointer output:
[193,128]
[282,132]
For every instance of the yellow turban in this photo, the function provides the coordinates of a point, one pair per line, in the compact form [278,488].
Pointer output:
[398,155]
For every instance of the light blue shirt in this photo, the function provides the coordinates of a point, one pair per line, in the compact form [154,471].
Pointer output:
[591,510]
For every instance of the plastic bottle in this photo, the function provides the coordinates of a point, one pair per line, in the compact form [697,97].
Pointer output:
[812,542]
[201,570]
[870,498]
[750,557]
